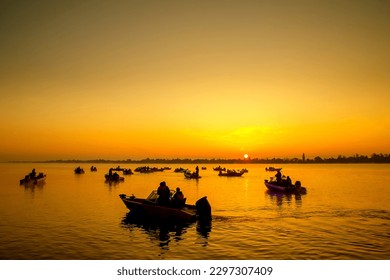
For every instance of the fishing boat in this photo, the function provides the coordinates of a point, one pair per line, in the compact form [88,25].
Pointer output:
[79,170]
[180,169]
[285,187]
[232,173]
[33,179]
[147,169]
[93,168]
[114,178]
[153,169]
[118,168]
[191,175]
[271,168]
[219,168]
[149,207]
[127,171]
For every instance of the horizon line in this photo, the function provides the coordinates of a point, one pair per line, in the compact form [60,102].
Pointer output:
[316,159]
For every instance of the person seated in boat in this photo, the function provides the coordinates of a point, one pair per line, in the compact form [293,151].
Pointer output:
[33,173]
[115,176]
[288,181]
[164,194]
[278,177]
[178,199]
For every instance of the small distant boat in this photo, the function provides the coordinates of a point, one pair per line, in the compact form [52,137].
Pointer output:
[79,170]
[204,168]
[118,168]
[180,169]
[147,169]
[156,169]
[149,207]
[93,169]
[219,168]
[232,173]
[191,175]
[127,171]
[32,179]
[271,168]
[114,178]
[284,187]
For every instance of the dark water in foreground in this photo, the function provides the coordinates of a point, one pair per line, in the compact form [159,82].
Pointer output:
[345,215]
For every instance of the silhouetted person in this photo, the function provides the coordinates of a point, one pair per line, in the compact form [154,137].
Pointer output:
[197,170]
[163,194]
[278,177]
[33,173]
[288,181]
[178,199]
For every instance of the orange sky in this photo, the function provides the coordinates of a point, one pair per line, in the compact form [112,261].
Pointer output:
[193,79]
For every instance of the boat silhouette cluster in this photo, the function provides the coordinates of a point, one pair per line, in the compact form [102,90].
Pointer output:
[165,204]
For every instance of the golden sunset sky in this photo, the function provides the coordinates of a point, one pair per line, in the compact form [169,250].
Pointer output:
[193,79]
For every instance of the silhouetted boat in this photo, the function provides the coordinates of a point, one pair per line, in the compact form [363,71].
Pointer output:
[127,172]
[219,168]
[284,187]
[177,170]
[33,180]
[147,169]
[93,168]
[272,169]
[79,170]
[191,175]
[232,173]
[150,208]
[114,178]
[118,168]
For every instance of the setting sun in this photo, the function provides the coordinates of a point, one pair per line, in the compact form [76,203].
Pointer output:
[246,156]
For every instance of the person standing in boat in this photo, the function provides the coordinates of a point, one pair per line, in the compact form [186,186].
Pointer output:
[278,177]
[164,194]
[197,170]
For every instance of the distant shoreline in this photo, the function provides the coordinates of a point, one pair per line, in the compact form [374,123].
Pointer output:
[374,158]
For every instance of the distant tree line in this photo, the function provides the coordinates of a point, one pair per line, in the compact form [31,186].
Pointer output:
[374,158]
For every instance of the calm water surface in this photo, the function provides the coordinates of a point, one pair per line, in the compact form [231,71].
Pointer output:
[344,215]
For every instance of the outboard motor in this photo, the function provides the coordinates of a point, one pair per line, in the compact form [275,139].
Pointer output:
[203,209]
[299,188]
